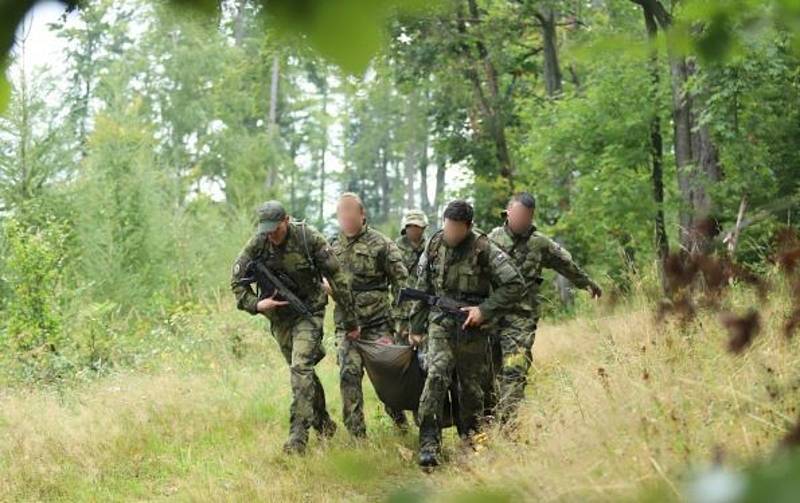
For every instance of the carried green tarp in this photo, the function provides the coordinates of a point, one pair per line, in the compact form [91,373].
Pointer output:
[395,373]
[398,377]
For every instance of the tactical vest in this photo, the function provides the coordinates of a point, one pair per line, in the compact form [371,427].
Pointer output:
[458,272]
[295,261]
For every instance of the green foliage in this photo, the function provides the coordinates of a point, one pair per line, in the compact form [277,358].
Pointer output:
[32,330]
[169,133]
[775,480]
[121,211]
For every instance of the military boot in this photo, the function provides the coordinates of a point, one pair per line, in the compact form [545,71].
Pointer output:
[429,445]
[325,426]
[398,418]
[298,439]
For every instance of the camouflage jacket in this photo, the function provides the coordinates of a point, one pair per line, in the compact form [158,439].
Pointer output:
[533,251]
[374,267]
[411,255]
[303,257]
[477,271]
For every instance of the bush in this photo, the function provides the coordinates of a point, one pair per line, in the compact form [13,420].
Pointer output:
[32,330]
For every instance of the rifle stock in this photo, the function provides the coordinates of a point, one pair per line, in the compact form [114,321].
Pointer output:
[269,284]
[445,305]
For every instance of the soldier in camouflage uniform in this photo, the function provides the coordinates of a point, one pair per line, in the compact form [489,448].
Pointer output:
[303,255]
[411,243]
[463,264]
[375,269]
[531,251]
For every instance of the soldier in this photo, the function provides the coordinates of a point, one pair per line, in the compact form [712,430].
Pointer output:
[531,251]
[374,267]
[301,254]
[411,243]
[462,264]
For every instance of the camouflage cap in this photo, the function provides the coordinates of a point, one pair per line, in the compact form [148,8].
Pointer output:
[414,217]
[270,214]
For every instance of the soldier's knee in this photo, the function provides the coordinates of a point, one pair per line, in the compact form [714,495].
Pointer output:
[350,376]
[302,370]
[436,383]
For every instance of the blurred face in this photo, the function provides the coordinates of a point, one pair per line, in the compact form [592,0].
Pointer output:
[350,216]
[519,217]
[277,236]
[414,233]
[454,232]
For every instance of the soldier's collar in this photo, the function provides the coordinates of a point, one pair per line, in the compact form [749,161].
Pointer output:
[414,247]
[355,238]
[466,243]
[526,235]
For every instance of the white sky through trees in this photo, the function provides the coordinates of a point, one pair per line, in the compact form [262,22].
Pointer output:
[41,51]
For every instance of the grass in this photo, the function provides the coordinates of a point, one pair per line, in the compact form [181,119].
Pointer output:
[619,408]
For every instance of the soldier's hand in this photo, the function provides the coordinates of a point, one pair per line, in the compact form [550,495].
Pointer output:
[270,303]
[327,287]
[474,317]
[595,291]
[354,334]
[415,340]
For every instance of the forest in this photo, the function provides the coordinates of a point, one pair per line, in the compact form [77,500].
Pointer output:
[660,139]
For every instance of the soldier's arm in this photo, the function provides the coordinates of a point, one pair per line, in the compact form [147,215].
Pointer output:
[555,257]
[394,268]
[418,312]
[246,299]
[329,266]
[508,287]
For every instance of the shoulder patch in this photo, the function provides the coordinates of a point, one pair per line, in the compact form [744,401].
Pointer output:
[500,257]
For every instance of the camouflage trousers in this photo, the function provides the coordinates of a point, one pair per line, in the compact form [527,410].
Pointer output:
[351,375]
[463,356]
[512,355]
[300,341]
[401,325]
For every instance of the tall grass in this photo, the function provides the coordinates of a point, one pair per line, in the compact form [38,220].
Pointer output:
[619,408]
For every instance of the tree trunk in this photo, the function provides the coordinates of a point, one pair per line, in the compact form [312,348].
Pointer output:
[696,154]
[409,170]
[733,239]
[656,147]
[489,101]
[383,180]
[425,203]
[238,22]
[697,161]
[438,190]
[553,81]
[323,153]
[272,118]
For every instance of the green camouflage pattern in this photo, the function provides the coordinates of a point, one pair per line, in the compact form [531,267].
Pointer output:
[303,257]
[300,342]
[532,252]
[351,376]
[477,271]
[512,350]
[411,255]
[516,331]
[375,270]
